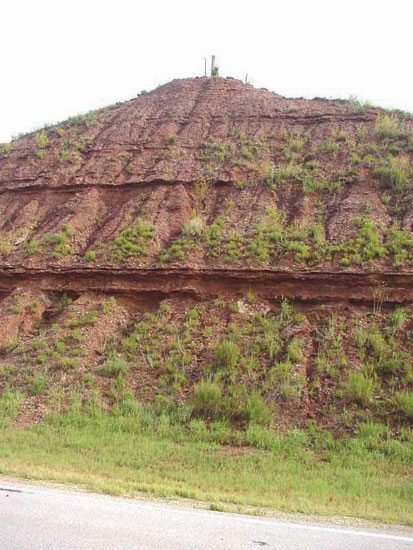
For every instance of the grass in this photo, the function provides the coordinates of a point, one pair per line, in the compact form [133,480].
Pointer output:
[217,389]
[119,455]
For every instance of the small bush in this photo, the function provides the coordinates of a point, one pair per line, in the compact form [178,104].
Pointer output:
[258,436]
[76,335]
[388,127]
[391,364]
[358,105]
[397,318]
[90,255]
[38,385]
[360,388]
[10,403]
[33,246]
[5,148]
[42,140]
[256,410]
[207,398]
[64,302]
[68,363]
[226,354]
[403,403]
[132,241]
[108,305]
[393,173]
[294,351]
[114,367]
[370,431]
[194,227]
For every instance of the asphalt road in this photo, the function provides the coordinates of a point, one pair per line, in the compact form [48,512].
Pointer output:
[41,518]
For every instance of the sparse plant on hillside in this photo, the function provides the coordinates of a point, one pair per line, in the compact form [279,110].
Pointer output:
[114,367]
[226,355]
[358,105]
[403,403]
[133,240]
[194,227]
[388,127]
[207,398]
[360,388]
[256,410]
[394,172]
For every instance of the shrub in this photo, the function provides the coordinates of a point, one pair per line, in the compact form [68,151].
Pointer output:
[89,119]
[403,403]
[76,335]
[226,354]
[393,173]
[42,139]
[388,127]
[68,362]
[38,385]
[397,318]
[64,302]
[90,255]
[207,398]
[108,305]
[370,431]
[33,246]
[391,364]
[285,173]
[10,403]
[114,367]
[358,105]
[5,148]
[360,388]
[294,351]
[194,227]
[132,240]
[256,410]
[258,436]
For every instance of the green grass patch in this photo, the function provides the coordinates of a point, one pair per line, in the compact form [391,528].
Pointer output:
[363,476]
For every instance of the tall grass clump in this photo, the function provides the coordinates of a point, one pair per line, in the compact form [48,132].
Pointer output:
[388,127]
[256,410]
[207,398]
[114,367]
[393,173]
[194,227]
[226,355]
[403,403]
[360,388]
[10,402]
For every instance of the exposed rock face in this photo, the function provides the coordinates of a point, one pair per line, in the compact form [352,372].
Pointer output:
[202,189]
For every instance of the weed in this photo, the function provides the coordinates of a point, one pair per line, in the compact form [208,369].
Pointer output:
[256,410]
[194,227]
[68,363]
[90,256]
[393,173]
[358,105]
[388,127]
[226,355]
[38,385]
[114,367]
[360,388]
[402,402]
[132,241]
[207,398]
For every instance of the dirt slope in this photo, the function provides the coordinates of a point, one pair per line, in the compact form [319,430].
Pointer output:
[197,195]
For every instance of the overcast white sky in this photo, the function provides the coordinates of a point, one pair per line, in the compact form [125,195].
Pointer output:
[60,57]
